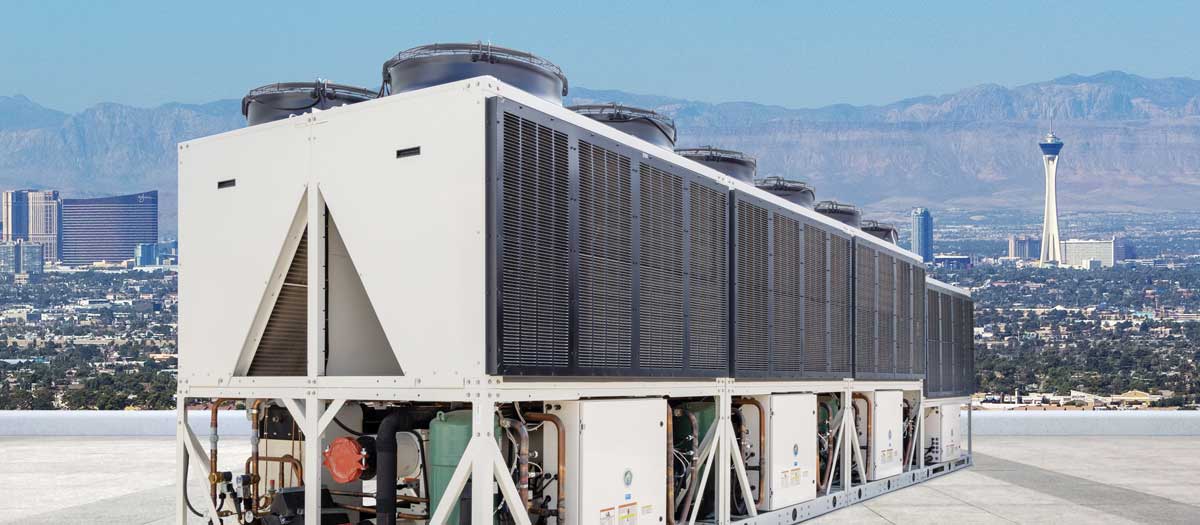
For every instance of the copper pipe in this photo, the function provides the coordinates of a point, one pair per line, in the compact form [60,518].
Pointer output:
[522,460]
[870,425]
[562,458]
[371,510]
[255,417]
[297,466]
[670,466]
[213,476]
[762,444]
[687,499]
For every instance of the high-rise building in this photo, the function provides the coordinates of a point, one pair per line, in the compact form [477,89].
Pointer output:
[1024,247]
[1051,251]
[145,254]
[33,216]
[10,258]
[32,257]
[1077,252]
[17,257]
[107,228]
[922,234]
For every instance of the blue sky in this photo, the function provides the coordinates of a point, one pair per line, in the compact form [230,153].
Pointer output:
[72,54]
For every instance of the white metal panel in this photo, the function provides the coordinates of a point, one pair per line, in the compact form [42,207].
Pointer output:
[357,344]
[791,450]
[887,456]
[616,466]
[414,226]
[943,433]
[232,239]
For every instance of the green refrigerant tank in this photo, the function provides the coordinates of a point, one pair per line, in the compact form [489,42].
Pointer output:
[449,434]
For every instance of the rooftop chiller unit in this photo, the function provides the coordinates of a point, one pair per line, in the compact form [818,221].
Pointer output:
[459,300]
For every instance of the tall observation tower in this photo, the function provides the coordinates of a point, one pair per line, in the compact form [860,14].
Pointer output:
[1051,247]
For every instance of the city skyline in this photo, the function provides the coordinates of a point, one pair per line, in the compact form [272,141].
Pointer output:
[75,231]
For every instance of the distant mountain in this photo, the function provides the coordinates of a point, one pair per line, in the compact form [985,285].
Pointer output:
[1132,143]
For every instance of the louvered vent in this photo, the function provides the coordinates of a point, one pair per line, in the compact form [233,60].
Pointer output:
[788,324]
[953,377]
[816,301]
[933,347]
[919,321]
[283,348]
[535,247]
[751,349]
[839,299]
[904,318]
[887,315]
[865,292]
[662,277]
[708,284]
[967,361]
[605,259]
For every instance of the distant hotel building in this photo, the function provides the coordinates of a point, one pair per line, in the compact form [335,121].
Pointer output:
[1081,253]
[21,257]
[32,216]
[107,228]
[1024,247]
[922,234]
[146,254]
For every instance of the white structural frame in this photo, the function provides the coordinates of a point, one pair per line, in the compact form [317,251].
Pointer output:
[483,460]
[314,398]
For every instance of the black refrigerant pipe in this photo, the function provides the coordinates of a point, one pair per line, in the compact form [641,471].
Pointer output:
[385,481]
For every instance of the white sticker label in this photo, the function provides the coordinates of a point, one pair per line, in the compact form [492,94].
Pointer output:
[608,517]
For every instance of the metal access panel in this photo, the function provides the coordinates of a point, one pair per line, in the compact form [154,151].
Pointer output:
[605,260]
[884,451]
[791,450]
[943,433]
[610,481]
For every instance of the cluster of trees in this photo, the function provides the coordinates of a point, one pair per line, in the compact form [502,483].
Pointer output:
[1082,355]
[49,385]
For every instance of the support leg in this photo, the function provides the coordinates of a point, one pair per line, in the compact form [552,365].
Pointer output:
[482,482]
[740,467]
[847,429]
[727,447]
[970,433]
[312,463]
[181,512]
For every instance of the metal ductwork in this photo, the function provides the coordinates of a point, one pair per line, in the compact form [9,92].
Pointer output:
[642,123]
[279,101]
[844,213]
[435,64]
[793,191]
[882,230]
[732,163]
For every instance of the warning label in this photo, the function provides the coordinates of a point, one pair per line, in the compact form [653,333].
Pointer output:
[793,477]
[627,514]
[608,516]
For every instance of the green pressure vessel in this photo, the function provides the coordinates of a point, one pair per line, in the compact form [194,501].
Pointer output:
[706,413]
[449,434]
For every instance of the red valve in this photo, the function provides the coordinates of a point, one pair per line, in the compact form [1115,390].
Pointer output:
[345,459]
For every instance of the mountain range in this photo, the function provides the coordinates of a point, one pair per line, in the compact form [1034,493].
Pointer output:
[1132,144]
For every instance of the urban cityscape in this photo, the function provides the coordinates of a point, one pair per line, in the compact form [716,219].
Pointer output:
[1096,323]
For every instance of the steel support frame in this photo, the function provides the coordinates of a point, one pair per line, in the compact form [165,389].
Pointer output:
[314,402]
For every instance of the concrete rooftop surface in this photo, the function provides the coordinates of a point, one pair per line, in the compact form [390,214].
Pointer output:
[1016,479]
